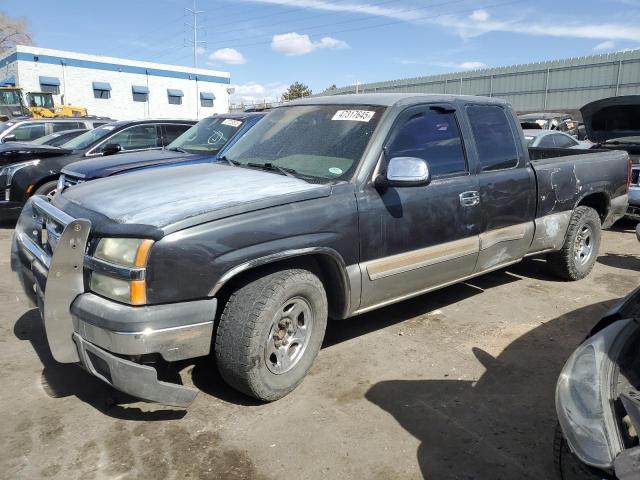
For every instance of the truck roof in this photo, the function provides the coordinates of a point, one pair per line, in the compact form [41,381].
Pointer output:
[388,99]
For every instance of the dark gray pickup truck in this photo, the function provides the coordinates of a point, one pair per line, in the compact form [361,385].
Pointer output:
[328,208]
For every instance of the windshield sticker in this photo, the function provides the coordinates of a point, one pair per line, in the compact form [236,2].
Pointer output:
[335,170]
[354,115]
[232,123]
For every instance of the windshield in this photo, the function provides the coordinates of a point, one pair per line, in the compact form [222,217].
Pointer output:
[6,125]
[9,97]
[208,135]
[40,100]
[321,141]
[88,138]
[529,140]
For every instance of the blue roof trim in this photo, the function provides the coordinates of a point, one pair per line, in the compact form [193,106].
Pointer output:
[112,67]
[101,86]
[174,92]
[10,80]
[139,89]
[207,96]
[54,81]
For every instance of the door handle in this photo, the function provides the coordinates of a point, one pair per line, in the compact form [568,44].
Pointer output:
[470,199]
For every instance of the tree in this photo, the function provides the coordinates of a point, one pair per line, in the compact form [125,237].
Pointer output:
[296,90]
[332,87]
[13,31]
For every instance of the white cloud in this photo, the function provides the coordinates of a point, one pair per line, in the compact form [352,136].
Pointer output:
[606,45]
[253,92]
[571,27]
[479,15]
[471,65]
[228,55]
[293,44]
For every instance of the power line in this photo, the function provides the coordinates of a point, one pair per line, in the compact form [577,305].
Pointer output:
[195,42]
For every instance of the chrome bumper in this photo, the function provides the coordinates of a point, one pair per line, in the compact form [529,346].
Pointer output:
[84,328]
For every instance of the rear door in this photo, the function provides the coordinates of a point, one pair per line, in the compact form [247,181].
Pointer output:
[506,184]
[413,239]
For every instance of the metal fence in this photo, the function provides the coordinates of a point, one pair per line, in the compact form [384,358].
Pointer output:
[555,85]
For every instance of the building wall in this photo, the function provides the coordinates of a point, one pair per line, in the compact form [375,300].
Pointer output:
[77,72]
[556,85]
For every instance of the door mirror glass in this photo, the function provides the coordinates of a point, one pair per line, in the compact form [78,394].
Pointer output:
[405,172]
[111,149]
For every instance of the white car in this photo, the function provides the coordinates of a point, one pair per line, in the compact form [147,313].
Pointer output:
[553,139]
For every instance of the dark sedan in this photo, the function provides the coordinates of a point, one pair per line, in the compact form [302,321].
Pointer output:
[37,174]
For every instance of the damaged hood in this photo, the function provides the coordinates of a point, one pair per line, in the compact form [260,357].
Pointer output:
[113,164]
[612,118]
[164,196]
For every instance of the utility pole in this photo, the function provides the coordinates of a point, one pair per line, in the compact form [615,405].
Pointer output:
[195,12]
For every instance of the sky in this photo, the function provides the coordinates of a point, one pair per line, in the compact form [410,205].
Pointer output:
[268,44]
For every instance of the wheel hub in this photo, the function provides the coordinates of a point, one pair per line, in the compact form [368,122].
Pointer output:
[584,245]
[289,335]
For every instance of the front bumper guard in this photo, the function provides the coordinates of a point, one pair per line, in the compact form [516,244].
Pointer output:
[56,280]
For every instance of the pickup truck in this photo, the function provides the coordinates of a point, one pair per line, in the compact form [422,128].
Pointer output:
[203,142]
[328,208]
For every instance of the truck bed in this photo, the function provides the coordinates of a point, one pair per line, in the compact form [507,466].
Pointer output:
[565,176]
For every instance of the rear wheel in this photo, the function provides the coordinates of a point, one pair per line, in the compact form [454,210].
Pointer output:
[270,332]
[580,250]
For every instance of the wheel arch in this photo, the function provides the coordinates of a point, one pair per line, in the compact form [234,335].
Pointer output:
[323,261]
[599,201]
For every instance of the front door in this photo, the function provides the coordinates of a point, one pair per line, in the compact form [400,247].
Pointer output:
[413,239]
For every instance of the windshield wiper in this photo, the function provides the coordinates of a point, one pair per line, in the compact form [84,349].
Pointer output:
[289,172]
[229,161]
[177,149]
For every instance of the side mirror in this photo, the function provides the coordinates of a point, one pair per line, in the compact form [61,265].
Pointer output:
[405,172]
[9,138]
[111,149]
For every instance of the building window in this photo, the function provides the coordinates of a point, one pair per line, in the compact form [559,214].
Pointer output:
[50,85]
[101,90]
[140,93]
[206,99]
[175,96]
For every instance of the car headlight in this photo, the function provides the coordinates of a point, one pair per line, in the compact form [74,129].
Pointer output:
[583,400]
[129,254]
[7,173]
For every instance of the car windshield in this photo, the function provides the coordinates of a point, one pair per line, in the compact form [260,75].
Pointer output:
[6,125]
[88,138]
[529,140]
[208,135]
[9,97]
[325,142]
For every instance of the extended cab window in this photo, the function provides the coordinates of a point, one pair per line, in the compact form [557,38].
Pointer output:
[433,136]
[494,138]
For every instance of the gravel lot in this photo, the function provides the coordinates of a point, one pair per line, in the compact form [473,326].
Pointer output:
[454,384]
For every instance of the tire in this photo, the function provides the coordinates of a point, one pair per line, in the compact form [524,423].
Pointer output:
[47,189]
[572,262]
[568,466]
[270,332]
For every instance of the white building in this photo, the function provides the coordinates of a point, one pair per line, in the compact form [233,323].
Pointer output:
[117,88]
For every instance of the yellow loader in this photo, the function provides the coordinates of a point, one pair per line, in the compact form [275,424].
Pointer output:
[41,105]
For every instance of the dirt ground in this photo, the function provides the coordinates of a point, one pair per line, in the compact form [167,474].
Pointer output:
[454,384]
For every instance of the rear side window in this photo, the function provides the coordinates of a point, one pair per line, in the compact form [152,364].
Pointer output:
[29,131]
[433,136]
[494,138]
[62,126]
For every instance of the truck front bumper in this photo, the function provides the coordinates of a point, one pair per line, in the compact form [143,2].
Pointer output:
[103,336]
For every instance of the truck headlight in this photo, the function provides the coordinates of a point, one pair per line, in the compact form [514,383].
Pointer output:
[7,173]
[130,253]
[583,400]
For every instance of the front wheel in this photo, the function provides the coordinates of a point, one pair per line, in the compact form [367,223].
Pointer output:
[270,332]
[580,250]
[47,189]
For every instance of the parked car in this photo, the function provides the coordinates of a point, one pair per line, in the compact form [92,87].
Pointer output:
[562,122]
[598,400]
[56,139]
[201,143]
[614,124]
[553,139]
[39,176]
[28,129]
[329,207]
